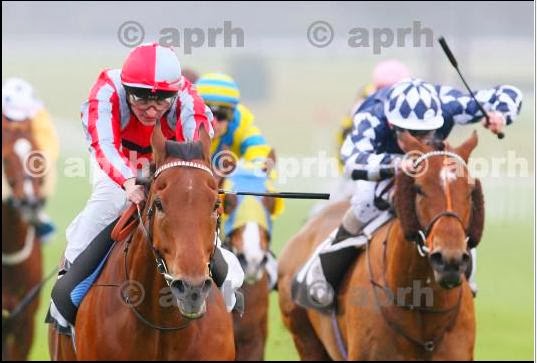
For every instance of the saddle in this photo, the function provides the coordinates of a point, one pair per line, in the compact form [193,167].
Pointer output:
[328,265]
[126,224]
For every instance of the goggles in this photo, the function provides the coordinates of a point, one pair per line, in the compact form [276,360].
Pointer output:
[222,113]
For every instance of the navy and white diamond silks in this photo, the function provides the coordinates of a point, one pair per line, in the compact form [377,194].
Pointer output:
[371,151]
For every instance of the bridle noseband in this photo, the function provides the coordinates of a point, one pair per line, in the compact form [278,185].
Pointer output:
[148,236]
[160,262]
[424,234]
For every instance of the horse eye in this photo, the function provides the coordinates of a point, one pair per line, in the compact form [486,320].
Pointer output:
[158,205]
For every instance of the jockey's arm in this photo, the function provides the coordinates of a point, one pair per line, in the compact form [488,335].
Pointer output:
[504,101]
[251,144]
[358,151]
[192,115]
[101,122]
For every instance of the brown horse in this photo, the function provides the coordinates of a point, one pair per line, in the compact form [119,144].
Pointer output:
[171,310]
[21,252]
[247,228]
[405,297]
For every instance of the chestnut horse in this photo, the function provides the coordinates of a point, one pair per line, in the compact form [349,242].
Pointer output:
[155,298]
[21,251]
[247,231]
[405,297]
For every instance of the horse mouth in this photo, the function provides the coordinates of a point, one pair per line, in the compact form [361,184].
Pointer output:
[189,311]
[253,275]
[448,280]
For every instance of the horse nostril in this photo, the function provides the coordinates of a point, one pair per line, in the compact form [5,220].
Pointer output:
[242,259]
[179,285]
[465,258]
[207,285]
[437,260]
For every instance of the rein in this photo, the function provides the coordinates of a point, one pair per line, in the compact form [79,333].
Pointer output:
[148,237]
[424,243]
[428,345]
[424,246]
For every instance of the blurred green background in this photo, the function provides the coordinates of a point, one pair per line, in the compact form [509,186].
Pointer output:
[299,94]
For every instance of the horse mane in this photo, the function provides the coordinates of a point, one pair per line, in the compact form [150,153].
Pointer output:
[477,219]
[405,206]
[185,150]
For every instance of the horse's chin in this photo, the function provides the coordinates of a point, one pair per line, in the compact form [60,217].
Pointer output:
[189,312]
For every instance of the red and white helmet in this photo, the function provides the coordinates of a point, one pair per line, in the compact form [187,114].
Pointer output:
[152,66]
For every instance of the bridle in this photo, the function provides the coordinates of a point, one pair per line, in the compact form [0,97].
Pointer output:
[423,243]
[148,237]
[423,248]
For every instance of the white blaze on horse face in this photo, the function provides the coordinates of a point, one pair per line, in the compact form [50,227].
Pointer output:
[252,244]
[28,188]
[448,174]
[22,148]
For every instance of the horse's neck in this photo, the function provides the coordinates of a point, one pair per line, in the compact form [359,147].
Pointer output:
[410,274]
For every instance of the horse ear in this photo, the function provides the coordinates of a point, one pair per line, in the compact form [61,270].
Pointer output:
[409,143]
[466,148]
[477,218]
[205,140]
[158,144]
[271,160]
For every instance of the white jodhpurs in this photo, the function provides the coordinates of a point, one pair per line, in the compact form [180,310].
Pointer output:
[234,278]
[106,203]
[363,199]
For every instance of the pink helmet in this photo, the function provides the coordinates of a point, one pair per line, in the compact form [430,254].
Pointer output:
[389,72]
[152,66]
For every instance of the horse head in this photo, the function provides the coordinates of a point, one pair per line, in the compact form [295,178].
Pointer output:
[23,167]
[247,222]
[182,209]
[440,206]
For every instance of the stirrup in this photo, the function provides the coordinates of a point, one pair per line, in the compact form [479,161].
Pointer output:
[300,293]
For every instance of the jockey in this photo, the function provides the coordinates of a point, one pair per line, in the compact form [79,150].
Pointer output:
[118,118]
[385,74]
[236,132]
[233,122]
[372,155]
[19,103]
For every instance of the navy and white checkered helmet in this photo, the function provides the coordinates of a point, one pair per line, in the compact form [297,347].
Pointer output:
[413,104]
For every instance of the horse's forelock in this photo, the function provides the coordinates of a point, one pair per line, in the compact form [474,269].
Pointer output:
[185,150]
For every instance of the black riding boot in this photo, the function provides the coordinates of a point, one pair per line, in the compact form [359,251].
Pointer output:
[70,289]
